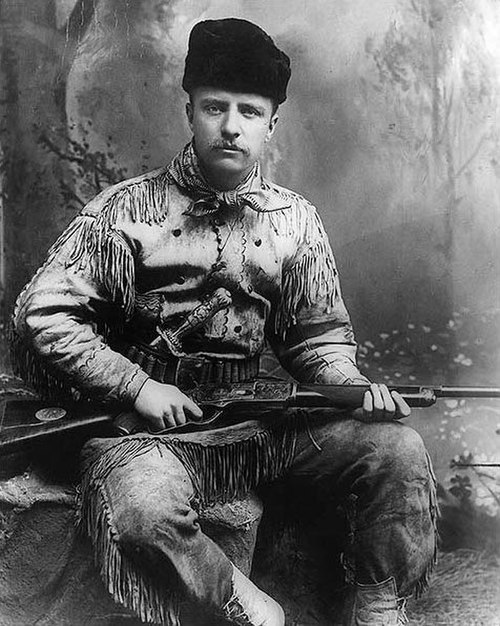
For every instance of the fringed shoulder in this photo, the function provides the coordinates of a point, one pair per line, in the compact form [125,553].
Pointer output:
[96,241]
[294,219]
[283,192]
[93,244]
[309,275]
[143,198]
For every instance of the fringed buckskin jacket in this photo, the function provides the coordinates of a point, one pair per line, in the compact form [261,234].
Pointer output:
[149,250]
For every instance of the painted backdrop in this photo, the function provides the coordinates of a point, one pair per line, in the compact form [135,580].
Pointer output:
[391,128]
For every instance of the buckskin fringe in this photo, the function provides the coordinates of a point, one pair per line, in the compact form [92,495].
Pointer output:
[144,200]
[97,468]
[219,473]
[106,254]
[49,383]
[310,279]
[96,243]
[27,366]
[312,276]
[300,217]
[152,599]
[423,582]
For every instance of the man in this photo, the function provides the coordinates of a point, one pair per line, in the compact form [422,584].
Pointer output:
[208,259]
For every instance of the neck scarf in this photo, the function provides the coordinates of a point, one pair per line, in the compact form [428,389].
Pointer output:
[185,171]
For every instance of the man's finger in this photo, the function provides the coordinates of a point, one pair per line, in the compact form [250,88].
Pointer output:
[378,403]
[193,408]
[389,404]
[156,424]
[168,419]
[368,404]
[178,415]
[402,408]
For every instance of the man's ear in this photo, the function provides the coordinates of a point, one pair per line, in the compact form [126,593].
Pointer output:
[189,114]
[272,126]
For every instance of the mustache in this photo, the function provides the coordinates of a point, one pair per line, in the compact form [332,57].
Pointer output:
[225,145]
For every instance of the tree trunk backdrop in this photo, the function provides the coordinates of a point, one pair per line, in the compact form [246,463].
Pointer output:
[391,128]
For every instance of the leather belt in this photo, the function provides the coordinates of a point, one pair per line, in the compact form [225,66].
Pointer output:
[188,371]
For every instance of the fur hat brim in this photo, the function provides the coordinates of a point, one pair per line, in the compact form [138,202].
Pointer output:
[236,55]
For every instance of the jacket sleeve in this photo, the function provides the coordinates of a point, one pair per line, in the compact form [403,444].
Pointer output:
[310,330]
[63,316]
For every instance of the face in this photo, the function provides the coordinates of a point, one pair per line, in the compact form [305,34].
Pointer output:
[230,130]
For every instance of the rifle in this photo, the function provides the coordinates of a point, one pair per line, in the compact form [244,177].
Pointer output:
[25,423]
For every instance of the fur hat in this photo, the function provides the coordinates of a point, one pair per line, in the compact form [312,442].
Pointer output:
[236,55]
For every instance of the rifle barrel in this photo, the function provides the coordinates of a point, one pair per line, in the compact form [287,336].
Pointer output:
[467,392]
[415,395]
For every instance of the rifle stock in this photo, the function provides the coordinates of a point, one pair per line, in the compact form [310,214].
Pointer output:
[20,428]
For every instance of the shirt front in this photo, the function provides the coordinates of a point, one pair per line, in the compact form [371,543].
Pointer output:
[149,250]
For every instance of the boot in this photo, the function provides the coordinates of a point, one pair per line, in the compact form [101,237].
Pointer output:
[249,606]
[374,605]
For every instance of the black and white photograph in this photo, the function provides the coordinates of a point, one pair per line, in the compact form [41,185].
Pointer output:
[250,312]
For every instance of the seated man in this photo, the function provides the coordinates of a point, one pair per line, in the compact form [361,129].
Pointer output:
[110,316]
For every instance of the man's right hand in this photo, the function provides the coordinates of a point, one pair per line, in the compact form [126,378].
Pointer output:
[163,406]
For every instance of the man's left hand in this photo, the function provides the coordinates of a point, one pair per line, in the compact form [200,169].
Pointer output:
[382,405]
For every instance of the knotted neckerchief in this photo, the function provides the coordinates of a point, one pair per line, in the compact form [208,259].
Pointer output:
[185,171]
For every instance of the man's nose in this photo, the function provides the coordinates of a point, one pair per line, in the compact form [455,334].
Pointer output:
[231,124]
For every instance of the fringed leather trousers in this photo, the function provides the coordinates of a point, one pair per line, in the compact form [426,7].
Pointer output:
[141,498]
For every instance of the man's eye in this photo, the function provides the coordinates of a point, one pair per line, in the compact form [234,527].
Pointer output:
[251,113]
[212,109]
